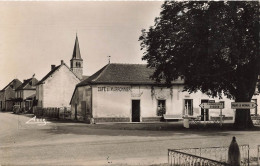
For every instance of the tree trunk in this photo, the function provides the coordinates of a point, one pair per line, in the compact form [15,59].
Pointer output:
[243,119]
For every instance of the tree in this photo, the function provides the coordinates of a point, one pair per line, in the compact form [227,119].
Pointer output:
[213,45]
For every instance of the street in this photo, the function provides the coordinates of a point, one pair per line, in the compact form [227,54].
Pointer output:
[63,143]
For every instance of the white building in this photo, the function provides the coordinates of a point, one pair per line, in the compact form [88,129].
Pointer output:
[55,89]
[125,93]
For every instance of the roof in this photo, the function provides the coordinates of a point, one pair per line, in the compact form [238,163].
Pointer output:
[26,84]
[84,77]
[130,74]
[48,75]
[53,71]
[15,83]
[76,51]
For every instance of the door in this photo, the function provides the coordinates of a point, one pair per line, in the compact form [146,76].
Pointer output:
[84,108]
[135,110]
[202,111]
[76,112]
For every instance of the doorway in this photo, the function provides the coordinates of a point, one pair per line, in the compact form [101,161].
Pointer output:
[135,110]
[76,116]
[202,111]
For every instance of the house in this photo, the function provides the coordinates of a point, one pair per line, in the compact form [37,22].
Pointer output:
[7,95]
[125,93]
[25,94]
[55,89]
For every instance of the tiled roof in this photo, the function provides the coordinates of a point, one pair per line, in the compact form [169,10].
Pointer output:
[26,84]
[131,74]
[48,75]
[84,77]
[15,83]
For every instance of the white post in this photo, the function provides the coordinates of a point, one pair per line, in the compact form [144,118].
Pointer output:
[204,117]
[220,117]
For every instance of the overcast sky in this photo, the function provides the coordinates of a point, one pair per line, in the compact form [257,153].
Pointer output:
[34,35]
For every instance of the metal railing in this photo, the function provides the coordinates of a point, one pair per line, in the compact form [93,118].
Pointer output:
[258,155]
[216,154]
[177,158]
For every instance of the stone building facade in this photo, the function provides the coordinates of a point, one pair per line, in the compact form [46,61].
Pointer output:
[125,93]
[7,95]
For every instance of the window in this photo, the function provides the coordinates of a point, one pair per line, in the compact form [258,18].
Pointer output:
[188,107]
[161,109]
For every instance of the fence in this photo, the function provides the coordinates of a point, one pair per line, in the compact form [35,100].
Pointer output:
[53,112]
[254,156]
[211,156]
[176,158]
[258,155]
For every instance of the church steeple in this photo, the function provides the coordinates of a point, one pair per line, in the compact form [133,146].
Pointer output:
[76,62]
[76,51]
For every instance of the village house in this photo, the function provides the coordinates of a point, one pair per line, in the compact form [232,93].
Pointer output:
[25,94]
[55,89]
[125,93]
[7,95]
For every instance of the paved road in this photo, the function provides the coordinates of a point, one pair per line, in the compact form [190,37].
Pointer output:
[59,143]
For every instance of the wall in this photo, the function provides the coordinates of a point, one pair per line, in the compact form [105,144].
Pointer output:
[82,102]
[58,88]
[27,93]
[114,102]
[39,95]
[1,100]
[9,93]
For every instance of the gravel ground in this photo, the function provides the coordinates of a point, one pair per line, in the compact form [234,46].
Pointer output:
[70,143]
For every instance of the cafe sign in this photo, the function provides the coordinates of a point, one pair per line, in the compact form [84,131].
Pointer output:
[114,89]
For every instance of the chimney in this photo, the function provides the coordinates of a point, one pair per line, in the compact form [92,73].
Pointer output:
[52,67]
[61,62]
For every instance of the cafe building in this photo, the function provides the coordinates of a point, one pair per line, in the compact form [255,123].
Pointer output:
[125,93]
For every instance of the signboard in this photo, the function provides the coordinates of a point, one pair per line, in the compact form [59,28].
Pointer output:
[211,101]
[219,105]
[114,89]
[243,105]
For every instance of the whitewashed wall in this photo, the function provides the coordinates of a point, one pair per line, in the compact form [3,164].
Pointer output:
[116,101]
[58,88]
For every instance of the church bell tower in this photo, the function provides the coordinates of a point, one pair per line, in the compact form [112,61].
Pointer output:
[76,62]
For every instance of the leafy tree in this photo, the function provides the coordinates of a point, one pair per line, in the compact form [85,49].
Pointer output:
[213,45]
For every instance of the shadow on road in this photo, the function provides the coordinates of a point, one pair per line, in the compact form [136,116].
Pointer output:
[144,129]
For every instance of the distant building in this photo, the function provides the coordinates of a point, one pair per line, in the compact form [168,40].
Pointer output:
[125,93]
[7,95]
[25,94]
[56,88]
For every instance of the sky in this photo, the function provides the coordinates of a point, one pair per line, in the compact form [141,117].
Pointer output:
[34,35]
